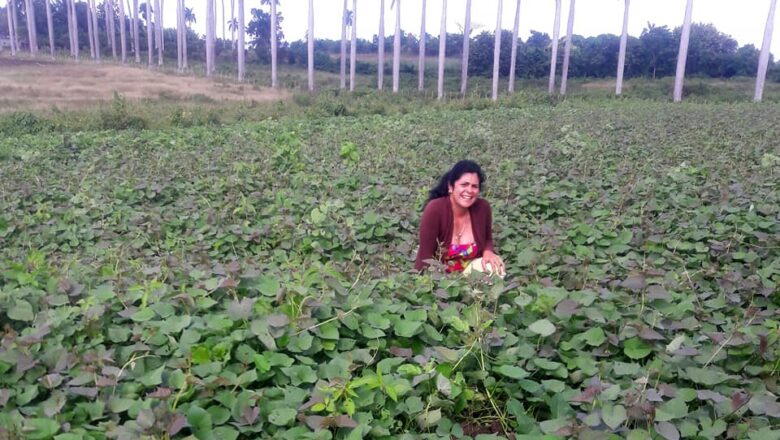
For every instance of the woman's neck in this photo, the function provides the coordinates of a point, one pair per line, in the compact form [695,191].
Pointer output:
[457,210]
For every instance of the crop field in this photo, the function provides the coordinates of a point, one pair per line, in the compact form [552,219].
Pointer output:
[254,279]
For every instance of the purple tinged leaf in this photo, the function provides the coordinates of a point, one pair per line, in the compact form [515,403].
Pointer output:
[177,423]
[315,399]
[81,379]
[739,399]
[315,423]
[567,308]
[90,392]
[145,418]
[344,421]
[667,390]
[667,431]
[103,381]
[710,395]
[128,312]
[653,395]
[657,292]
[649,334]
[24,363]
[54,404]
[278,320]
[160,393]
[5,394]
[251,415]
[686,351]
[228,283]
[51,381]
[241,309]
[405,353]
[634,283]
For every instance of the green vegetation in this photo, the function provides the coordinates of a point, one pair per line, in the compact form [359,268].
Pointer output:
[254,279]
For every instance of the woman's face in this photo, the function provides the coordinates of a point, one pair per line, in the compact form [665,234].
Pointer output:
[465,190]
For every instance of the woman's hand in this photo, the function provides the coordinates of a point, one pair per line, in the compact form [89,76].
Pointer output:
[493,263]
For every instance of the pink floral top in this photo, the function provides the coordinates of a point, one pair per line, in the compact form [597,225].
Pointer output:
[459,255]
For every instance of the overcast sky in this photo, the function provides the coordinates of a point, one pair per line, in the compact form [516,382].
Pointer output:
[744,20]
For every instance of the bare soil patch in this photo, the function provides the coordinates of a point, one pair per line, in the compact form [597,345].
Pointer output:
[41,84]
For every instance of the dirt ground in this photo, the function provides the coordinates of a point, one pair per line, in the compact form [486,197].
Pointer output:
[42,84]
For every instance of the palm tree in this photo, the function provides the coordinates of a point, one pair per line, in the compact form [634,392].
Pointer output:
[90,33]
[421,61]
[343,71]
[122,31]
[11,16]
[513,55]
[96,29]
[241,32]
[32,32]
[159,31]
[75,24]
[464,64]
[50,25]
[179,36]
[224,22]
[380,71]
[622,53]
[108,9]
[396,45]
[273,36]
[497,50]
[149,34]
[353,47]
[682,55]
[442,49]
[554,55]
[233,24]
[210,37]
[763,59]
[567,48]
[310,46]
[136,34]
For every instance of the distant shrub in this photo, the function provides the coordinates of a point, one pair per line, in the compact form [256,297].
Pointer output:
[18,123]
[118,117]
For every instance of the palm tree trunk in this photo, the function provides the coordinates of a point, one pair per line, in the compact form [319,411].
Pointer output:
[122,31]
[421,52]
[96,30]
[50,24]
[232,19]
[343,60]
[241,32]
[69,19]
[380,68]
[397,47]
[159,31]
[32,32]
[209,38]
[90,31]
[622,53]
[105,21]
[682,55]
[75,23]
[513,55]
[310,46]
[224,22]
[185,32]
[497,50]
[567,48]
[136,33]
[442,50]
[763,59]
[353,48]
[149,35]
[179,38]
[272,35]
[554,55]
[11,30]
[464,64]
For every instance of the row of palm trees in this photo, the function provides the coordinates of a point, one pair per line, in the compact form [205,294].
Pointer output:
[155,40]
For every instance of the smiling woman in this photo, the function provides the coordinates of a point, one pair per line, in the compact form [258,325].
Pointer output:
[456,226]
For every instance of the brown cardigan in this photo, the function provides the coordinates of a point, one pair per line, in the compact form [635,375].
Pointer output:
[436,227]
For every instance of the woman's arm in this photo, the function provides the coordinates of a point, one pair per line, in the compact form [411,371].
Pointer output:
[490,260]
[428,238]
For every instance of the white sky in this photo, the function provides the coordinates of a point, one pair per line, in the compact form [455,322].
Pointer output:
[744,20]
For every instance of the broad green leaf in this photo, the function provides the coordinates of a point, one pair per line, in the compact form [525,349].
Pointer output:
[21,311]
[428,418]
[512,371]
[200,423]
[594,337]
[671,410]
[153,377]
[40,429]
[282,416]
[143,315]
[635,348]
[406,328]
[542,327]
[613,415]
[706,376]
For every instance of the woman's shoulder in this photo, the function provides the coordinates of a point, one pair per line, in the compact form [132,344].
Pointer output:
[481,205]
[438,204]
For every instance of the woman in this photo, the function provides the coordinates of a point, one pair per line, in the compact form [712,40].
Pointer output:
[456,225]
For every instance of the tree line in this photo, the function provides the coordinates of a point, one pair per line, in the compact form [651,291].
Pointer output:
[654,53]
